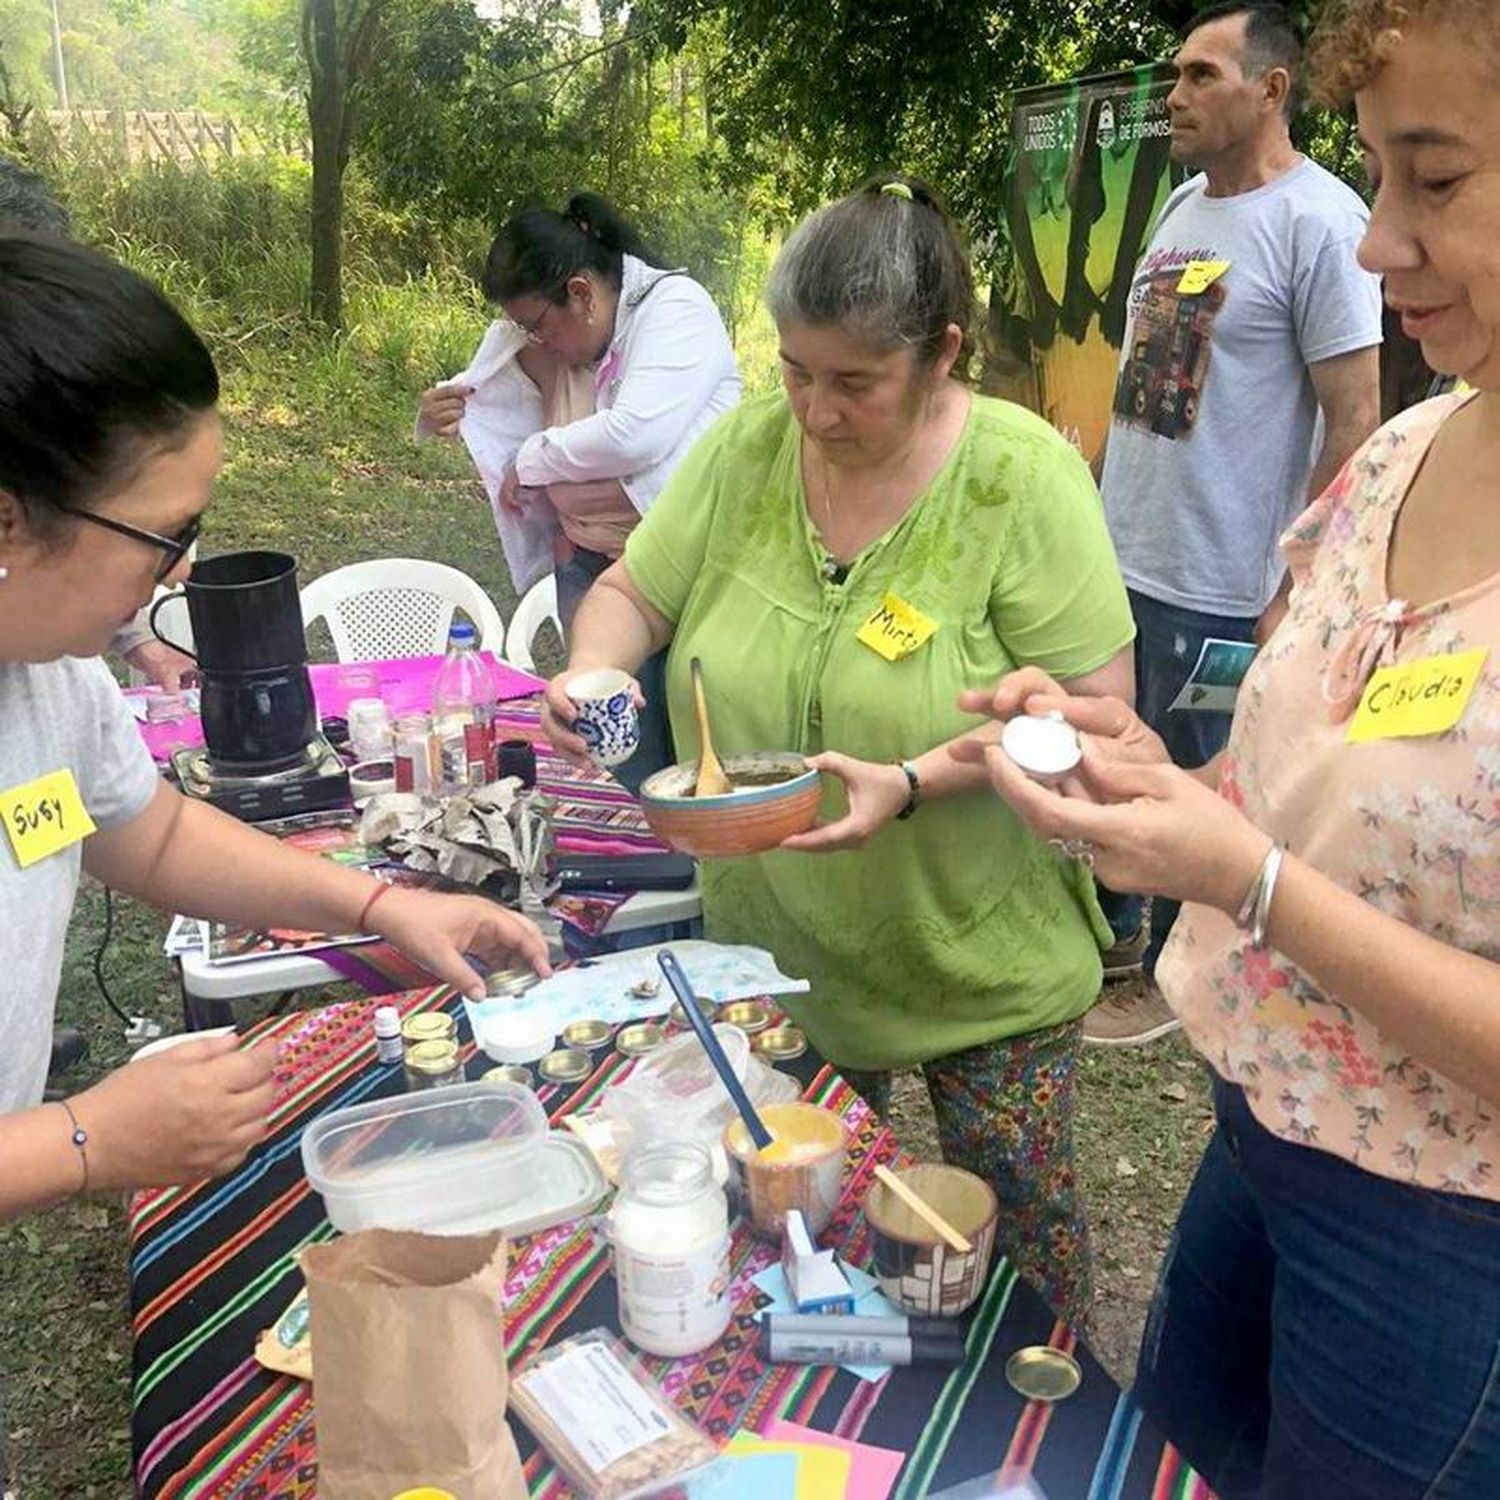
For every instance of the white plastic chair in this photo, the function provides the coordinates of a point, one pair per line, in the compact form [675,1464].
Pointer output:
[537,607]
[391,607]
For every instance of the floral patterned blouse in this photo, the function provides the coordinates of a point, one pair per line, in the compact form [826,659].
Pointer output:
[1411,825]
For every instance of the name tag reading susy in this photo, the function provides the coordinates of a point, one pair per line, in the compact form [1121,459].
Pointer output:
[1416,698]
[896,629]
[44,816]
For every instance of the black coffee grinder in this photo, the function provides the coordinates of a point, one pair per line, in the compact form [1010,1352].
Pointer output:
[265,757]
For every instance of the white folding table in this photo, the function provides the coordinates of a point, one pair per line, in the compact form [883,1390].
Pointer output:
[209,991]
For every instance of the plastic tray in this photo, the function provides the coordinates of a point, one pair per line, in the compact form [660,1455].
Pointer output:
[449,1160]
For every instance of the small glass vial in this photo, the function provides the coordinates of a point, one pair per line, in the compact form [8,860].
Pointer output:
[433,1065]
[388,1045]
[413,737]
[670,1230]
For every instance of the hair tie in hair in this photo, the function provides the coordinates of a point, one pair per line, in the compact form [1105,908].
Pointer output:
[897,190]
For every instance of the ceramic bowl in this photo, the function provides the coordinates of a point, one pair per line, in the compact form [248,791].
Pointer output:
[745,821]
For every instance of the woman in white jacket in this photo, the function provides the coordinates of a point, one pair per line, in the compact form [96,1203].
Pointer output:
[613,368]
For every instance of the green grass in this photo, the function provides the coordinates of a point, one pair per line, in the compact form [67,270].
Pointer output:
[321,464]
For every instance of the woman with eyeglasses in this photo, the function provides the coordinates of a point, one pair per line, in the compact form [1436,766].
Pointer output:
[628,364]
[109,445]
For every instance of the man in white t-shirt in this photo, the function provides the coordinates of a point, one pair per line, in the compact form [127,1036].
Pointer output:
[1250,372]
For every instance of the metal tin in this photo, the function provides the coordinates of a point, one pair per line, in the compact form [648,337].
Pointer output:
[433,1065]
[749,1015]
[428,1026]
[510,982]
[1041,1373]
[508,1073]
[781,1043]
[587,1034]
[566,1065]
[708,1009]
[640,1038]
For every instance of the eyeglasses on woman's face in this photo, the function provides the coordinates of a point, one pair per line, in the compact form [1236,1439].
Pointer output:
[532,327]
[174,548]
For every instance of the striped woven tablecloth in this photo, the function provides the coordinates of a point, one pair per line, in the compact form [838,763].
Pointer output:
[212,1265]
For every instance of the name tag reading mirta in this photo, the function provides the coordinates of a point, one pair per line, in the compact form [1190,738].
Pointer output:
[1416,698]
[896,629]
[44,816]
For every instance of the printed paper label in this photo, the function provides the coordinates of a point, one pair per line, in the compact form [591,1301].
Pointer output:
[602,1407]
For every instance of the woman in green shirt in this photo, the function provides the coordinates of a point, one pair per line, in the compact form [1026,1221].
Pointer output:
[936,931]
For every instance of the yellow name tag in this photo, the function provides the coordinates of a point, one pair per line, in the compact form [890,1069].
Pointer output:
[1199,275]
[896,629]
[44,816]
[1416,698]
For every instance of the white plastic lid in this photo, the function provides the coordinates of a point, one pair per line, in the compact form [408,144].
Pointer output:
[1042,745]
[513,1037]
[387,1021]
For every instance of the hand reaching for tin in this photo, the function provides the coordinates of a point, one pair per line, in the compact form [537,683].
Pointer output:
[436,931]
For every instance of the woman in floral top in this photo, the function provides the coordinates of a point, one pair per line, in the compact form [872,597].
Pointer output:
[1328,1318]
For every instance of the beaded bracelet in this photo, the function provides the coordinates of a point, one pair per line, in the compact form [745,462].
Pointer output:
[80,1139]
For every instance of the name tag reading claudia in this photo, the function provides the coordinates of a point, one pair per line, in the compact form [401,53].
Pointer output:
[1416,698]
[896,629]
[44,816]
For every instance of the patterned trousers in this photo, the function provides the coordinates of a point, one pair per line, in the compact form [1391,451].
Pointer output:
[1005,1112]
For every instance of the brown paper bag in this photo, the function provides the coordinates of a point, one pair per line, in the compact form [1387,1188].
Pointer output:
[410,1385]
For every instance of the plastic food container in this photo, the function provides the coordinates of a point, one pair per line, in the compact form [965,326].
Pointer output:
[673,1094]
[459,1160]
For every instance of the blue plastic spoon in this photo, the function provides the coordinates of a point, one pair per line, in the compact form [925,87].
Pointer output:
[683,989]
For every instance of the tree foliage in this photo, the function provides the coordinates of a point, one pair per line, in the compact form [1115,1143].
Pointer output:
[809,99]
[526,110]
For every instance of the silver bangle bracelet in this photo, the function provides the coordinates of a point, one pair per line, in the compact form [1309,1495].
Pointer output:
[1269,871]
[1245,916]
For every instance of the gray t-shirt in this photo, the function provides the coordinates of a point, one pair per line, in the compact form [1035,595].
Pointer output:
[61,715]
[1216,425]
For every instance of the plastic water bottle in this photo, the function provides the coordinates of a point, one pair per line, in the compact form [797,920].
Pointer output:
[463,714]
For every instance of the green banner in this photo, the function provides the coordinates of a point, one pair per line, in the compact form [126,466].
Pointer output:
[1087,173]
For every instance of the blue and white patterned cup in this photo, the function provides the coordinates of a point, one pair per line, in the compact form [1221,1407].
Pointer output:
[607,721]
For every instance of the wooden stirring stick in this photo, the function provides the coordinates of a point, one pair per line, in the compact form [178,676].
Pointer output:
[712,782]
[924,1211]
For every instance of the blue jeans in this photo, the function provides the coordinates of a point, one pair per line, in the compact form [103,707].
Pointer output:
[1167,643]
[1322,1332]
[574,579]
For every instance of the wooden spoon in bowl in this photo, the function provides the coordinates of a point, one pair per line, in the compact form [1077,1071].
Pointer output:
[712,782]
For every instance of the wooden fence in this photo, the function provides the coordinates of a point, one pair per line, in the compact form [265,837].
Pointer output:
[184,136]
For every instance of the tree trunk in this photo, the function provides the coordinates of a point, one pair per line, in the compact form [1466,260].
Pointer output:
[325,115]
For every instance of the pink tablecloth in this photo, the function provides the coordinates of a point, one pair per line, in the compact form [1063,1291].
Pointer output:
[405,684]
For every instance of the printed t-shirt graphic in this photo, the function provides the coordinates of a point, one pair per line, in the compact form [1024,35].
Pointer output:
[1164,371]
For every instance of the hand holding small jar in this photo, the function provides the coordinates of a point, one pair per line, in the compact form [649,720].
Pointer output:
[1147,825]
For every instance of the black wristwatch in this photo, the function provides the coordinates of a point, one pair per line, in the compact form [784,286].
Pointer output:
[913,789]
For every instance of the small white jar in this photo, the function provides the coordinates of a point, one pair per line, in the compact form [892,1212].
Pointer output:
[670,1230]
[1044,746]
